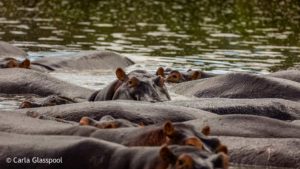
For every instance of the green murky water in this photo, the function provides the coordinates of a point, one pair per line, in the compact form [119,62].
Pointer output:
[223,35]
[213,35]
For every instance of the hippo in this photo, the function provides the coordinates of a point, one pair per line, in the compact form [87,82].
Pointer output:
[274,108]
[27,81]
[240,85]
[9,51]
[136,112]
[154,135]
[247,126]
[51,100]
[14,63]
[107,122]
[78,152]
[81,61]
[174,76]
[293,75]
[137,85]
[269,152]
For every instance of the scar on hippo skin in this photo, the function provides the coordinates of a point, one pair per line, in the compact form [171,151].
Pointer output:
[137,85]
[14,63]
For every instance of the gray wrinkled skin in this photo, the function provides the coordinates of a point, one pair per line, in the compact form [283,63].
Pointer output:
[87,60]
[273,108]
[8,50]
[136,112]
[26,81]
[293,75]
[240,85]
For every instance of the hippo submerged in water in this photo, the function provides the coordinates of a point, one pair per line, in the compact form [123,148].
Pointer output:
[14,63]
[174,76]
[136,85]
[241,85]
[79,152]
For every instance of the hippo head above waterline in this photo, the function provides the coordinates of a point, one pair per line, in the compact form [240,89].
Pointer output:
[187,157]
[137,85]
[14,63]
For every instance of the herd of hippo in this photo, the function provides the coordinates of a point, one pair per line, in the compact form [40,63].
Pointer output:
[133,123]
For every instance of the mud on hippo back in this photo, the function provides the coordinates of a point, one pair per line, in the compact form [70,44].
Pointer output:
[137,85]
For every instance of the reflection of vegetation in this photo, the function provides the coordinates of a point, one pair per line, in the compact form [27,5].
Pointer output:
[198,19]
[288,62]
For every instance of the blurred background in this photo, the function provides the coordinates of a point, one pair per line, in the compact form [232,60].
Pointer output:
[213,35]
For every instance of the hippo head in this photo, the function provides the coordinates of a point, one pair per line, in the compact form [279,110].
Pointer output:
[181,134]
[177,77]
[184,134]
[187,157]
[106,122]
[13,63]
[140,85]
[51,100]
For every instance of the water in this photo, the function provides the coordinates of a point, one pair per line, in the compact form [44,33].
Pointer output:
[253,36]
[218,36]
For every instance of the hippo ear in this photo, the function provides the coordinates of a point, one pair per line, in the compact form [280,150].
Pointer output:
[84,121]
[11,64]
[121,75]
[168,128]
[196,75]
[25,64]
[174,77]
[222,148]
[220,160]
[166,155]
[110,125]
[25,104]
[159,81]
[206,130]
[184,161]
[160,71]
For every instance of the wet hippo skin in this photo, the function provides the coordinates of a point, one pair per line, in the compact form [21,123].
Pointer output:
[240,85]
[247,126]
[293,75]
[26,81]
[274,108]
[136,112]
[87,60]
[137,85]
[76,152]
[283,152]
[51,100]
[227,125]
[153,135]
[174,76]
[8,50]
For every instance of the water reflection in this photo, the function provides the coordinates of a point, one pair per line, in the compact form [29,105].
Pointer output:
[255,36]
